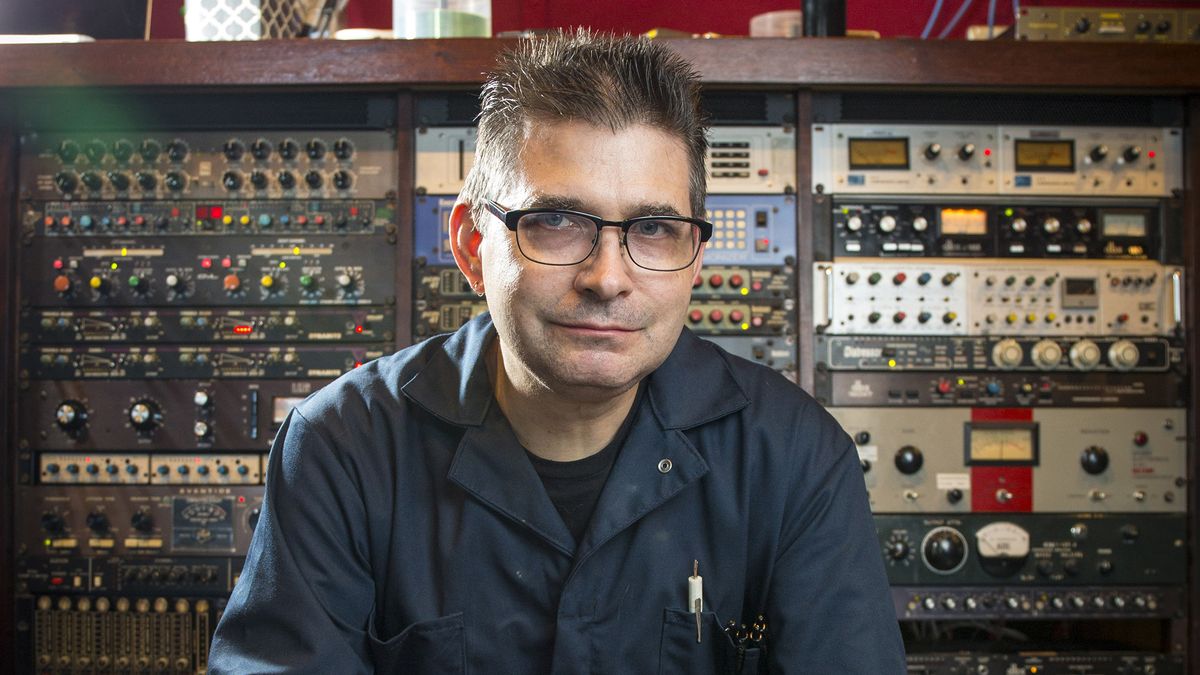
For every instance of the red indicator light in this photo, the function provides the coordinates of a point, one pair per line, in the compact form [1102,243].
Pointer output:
[354,209]
[48,221]
[303,220]
[65,221]
[206,263]
[196,460]
[226,263]
[87,460]
[358,329]
[987,152]
[201,212]
[216,212]
[357,364]
[56,581]
[243,330]
[241,500]
[1151,154]
[175,212]
[58,264]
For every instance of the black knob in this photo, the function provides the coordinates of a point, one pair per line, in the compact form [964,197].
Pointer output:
[314,179]
[149,150]
[1130,533]
[1143,26]
[343,148]
[1094,460]
[261,149]
[1104,567]
[175,181]
[119,180]
[342,180]
[122,150]
[933,150]
[862,437]
[142,521]
[966,151]
[97,522]
[92,181]
[1132,153]
[1083,25]
[945,549]
[865,464]
[234,149]
[1163,27]
[288,149]
[232,180]
[147,181]
[315,149]
[145,415]
[897,550]
[53,523]
[287,180]
[70,416]
[68,150]
[95,150]
[177,150]
[66,181]
[259,180]
[909,460]
[1098,153]
[954,495]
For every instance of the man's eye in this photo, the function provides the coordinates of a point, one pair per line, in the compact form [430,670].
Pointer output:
[551,220]
[648,228]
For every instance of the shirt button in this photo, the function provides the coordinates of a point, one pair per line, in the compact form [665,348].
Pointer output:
[664,466]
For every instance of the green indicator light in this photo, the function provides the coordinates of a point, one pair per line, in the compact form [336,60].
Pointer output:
[282,264]
[134,281]
[1008,212]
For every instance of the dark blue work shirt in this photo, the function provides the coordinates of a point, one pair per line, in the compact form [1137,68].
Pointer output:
[404,530]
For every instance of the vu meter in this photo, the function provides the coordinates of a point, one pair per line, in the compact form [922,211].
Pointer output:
[1004,443]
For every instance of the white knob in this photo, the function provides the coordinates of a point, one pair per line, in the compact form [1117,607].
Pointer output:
[887,224]
[1051,225]
[1019,225]
[1083,226]
[1123,355]
[200,429]
[1047,354]
[201,398]
[1085,355]
[1007,354]
[920,224]
[854,224]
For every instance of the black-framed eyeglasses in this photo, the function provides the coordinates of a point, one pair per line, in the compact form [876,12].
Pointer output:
[562,237]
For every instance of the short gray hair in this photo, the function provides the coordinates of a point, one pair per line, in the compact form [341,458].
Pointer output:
[605,80]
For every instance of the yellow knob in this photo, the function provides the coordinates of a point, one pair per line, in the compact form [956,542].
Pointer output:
[244,220]
[227,220]
[1051,317]
[267,281]
[1011,318]
[96,282]
[1030,318]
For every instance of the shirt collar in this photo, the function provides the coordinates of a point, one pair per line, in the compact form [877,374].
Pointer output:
[693,386]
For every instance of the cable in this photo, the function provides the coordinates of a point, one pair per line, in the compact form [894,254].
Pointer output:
[991,19]
[955,19]
[933,17]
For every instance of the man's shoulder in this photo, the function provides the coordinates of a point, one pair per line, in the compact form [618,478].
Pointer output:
[374,388]
[768,391]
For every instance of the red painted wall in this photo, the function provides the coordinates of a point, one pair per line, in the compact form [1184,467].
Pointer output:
[892,18]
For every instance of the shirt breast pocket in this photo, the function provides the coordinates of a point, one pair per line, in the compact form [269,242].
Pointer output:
[436,646]
[715,653]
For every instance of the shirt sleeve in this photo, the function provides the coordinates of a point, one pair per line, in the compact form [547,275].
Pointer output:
[303,602]
[829,607]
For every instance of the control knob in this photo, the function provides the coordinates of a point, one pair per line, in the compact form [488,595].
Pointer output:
[234,149]
[933,150]
[232,180]
[944,550]
[887,224]
[1131,154]
[854,223]
[146,180]
[966,151]
[1047,354]
[287,180]
[177,150]
[119,180]
[149,150]
[1051,225]
[920,224]
[314,179]
[142,521]
[909,459]
[97,522]
[288,149]
[260,149]
[1094,460]
[1123,355]
[175,181]
[347,283]
[1084,226]
[342,179]
[70,416]
[1019,225]
[315,149]
[145,415]
[68,150]
[1098,153]
[95,151]
[897,549]
[1007,354]
[258,179]
[343,148]
[53,522]
[1084,355]
[66,181]
[92,181]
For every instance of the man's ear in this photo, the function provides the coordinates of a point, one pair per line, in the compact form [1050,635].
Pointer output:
[465,240]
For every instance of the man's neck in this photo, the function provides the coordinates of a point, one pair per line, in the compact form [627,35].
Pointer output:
[548,425]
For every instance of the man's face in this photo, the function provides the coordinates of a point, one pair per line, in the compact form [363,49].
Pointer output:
[595,329]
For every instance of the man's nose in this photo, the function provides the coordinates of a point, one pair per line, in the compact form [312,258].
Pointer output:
[606,273]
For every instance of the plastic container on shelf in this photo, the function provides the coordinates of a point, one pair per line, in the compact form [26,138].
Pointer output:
[441,18]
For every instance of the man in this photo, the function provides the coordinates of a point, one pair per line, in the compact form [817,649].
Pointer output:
[536,492]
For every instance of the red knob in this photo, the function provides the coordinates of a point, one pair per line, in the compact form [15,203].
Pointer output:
[62,283]
[696,316]
[943,386]
[716,280]
[736,316]
[716,315]
[232,283]
[735,281]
